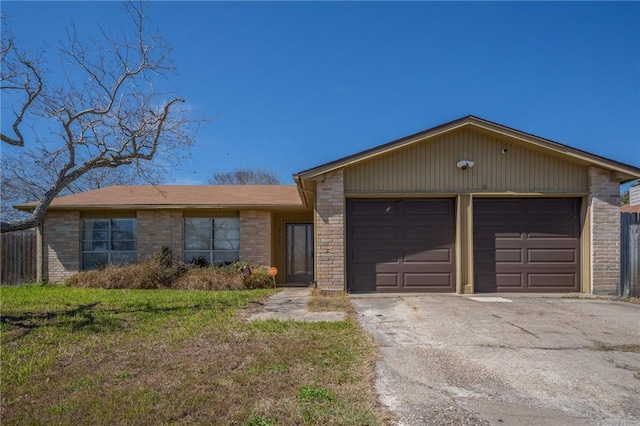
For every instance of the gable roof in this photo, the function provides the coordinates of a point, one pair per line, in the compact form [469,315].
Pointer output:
[626,172]
[179,196]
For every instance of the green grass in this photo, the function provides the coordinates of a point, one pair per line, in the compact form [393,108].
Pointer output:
[169,356]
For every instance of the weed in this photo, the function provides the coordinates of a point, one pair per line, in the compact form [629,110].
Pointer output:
[278,368]
[259,421]
[124,375]
[619,348]
[313,394]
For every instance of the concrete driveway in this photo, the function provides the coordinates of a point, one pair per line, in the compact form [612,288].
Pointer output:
[511,360]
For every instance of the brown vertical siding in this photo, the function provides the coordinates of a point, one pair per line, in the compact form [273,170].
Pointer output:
[431,167]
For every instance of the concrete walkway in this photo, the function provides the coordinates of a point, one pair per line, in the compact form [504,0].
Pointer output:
[291,304]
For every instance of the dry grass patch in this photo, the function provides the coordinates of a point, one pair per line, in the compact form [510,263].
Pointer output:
[329,302]
[634,347]
[158,357]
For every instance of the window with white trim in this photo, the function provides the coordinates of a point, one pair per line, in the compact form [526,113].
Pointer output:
[108,242]
[216,240]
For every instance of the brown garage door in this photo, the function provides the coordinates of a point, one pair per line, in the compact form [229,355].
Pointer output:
[526,245]
[400,245]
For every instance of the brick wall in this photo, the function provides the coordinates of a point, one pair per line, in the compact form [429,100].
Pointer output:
[157,228]
[329,223]
[255,237]
[605,231]
[60,245]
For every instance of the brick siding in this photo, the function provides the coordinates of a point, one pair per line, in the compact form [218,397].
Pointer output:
[60,245]
[255,237]
[605,231]
[157,229]
[329,223]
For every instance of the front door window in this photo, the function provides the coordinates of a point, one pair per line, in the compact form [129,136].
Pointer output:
[299,261]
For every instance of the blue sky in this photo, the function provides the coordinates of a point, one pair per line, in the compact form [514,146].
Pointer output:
[292,85]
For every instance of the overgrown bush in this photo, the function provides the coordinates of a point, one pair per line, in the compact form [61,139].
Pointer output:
[162,271]
[225,277]
[210,278]
[156,273]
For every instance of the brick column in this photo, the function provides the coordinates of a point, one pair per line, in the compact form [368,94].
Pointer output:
[255,237]
[157,228]
[329,224]
[60,245]
[605,231]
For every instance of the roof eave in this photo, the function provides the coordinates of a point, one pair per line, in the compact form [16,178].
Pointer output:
[76,207]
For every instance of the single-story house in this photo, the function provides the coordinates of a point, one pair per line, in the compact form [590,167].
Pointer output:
[468,206]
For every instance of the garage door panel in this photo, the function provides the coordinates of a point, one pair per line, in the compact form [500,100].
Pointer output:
[374,208]
[434,207]
[507,282]
[369,255]
[363,281]
[441,281]
[387,280]
[442,255]
[426,231]
[551,282]
[414,251]
[374,232]
[552,256]
[504,207]
[508,255]
[548,245]
[553,207]
[496,230]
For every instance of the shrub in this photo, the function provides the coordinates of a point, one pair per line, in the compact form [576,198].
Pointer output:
[158,272]
[211,278]
[163,272]
[224,277]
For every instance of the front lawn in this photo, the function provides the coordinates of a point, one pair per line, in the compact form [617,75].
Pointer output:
[95,356]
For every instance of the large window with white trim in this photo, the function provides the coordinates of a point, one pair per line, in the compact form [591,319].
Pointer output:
[216,240]
[108,242]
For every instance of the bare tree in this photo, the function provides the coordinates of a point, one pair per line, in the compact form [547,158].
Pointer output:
[102,108]
[245,177]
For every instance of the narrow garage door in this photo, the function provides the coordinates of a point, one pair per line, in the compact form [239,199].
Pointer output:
[400,245]
[526,245]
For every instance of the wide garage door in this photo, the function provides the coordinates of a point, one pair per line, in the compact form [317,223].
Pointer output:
[400,245]
[526,245]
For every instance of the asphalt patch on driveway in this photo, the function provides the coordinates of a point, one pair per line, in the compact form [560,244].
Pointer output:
[449,360]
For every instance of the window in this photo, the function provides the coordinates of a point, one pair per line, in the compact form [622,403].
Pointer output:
[108,242]
[217,240]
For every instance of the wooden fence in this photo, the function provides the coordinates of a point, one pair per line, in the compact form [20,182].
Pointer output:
[18,257]
[630,254]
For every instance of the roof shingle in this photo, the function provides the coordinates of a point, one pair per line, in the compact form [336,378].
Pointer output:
[630,209]
[182,195]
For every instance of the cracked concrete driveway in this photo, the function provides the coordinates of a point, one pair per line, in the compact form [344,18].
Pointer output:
[511,360]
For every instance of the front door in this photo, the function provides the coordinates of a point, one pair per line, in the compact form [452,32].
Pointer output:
[299,256]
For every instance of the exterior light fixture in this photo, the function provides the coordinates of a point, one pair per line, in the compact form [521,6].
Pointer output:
[465,164]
